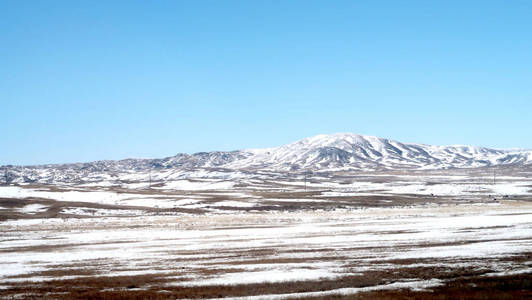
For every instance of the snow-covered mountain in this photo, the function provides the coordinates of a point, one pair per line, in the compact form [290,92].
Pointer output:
[355,151]
[335,152]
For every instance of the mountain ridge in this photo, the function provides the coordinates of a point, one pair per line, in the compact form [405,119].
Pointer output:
[333,152]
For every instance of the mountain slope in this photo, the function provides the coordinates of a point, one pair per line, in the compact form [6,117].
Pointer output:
[340,151]
[354,151]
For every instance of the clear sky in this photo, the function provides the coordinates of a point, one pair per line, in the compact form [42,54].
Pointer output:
[90,80]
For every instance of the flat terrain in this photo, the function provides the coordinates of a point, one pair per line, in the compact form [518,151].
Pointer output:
[415,235]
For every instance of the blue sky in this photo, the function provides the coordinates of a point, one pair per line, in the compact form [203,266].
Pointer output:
[89,80]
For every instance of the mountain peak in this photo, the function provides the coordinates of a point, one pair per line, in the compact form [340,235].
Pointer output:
[334,139]
[345,151]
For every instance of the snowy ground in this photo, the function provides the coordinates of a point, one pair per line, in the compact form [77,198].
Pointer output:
[279,192]
[275,238]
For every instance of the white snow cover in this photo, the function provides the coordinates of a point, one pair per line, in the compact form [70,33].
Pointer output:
[415,285]
[32,208]
[198,185]
[103,197]
[341,151]
[360,240]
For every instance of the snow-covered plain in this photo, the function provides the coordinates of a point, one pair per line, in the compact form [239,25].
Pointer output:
[266,190]
[268,230]
[269,247]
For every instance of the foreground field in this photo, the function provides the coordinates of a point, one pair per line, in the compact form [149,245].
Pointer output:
[269,240]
